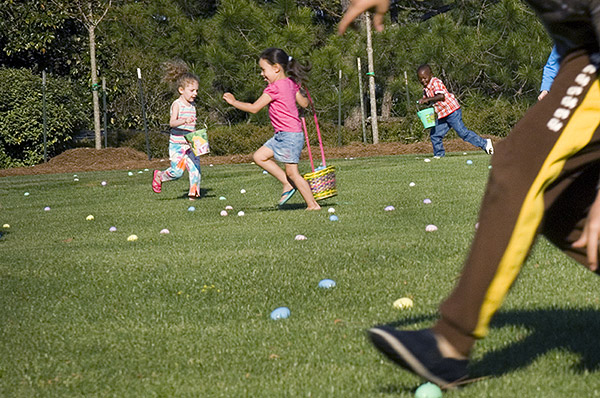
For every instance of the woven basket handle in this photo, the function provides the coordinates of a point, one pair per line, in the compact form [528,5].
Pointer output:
[312,107]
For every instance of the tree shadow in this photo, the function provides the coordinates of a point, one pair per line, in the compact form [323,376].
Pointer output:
[541,331]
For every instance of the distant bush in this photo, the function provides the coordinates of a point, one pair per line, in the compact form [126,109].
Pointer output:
[493,117]
[159,143]
[21,121]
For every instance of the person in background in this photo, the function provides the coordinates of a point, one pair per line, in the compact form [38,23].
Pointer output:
[449,114]
[550,72]
[182,121]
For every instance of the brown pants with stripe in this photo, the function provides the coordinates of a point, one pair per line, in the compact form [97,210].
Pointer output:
[544,179]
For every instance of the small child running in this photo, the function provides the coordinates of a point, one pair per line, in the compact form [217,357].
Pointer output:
[449,114]
[182,122]
[284,76]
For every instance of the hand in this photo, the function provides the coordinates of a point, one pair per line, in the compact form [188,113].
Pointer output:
[422,101]
[543,93]
[229,98]
[357,7]
[591,234]
[191,119]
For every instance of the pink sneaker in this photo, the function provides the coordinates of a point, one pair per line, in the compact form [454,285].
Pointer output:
[156,181]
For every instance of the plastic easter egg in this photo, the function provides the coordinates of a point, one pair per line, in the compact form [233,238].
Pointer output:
[428,390]
[326,284]
[403,303]
[280,313]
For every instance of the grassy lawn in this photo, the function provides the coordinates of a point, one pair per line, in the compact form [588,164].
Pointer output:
[84,312]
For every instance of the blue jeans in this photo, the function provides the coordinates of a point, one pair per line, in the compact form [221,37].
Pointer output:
[443,125]
[286,146]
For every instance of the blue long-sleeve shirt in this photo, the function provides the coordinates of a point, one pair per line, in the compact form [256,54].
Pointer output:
[550,70]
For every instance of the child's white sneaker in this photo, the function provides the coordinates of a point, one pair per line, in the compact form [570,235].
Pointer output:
[489,147]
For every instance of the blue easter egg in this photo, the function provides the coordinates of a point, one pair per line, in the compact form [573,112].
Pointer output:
[280,313]
[222,198]
[333,217]
[326,284]
[191,208]
[469,162]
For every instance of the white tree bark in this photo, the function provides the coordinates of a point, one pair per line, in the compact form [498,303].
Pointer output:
[95,86]
[371,74]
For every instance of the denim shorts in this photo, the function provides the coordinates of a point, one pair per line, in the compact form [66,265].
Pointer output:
[286,146]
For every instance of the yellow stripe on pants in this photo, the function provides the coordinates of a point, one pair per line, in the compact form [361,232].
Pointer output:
[576,135]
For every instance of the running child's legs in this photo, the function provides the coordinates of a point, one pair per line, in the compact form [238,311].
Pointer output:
[436,134]
[291,170]
[537,170]
[455,121]
[177,150]
[264,158]
[192,163]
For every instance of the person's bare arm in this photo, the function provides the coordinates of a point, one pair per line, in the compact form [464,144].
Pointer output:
[254,107]
[591,234]
[357,7]
[301,99]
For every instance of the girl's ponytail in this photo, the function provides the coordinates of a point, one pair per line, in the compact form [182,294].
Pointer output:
[293,68]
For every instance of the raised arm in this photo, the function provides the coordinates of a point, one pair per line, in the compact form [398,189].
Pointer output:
[260,103]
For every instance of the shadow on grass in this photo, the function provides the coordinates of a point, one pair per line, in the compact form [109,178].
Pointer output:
[545,330]
[204,193]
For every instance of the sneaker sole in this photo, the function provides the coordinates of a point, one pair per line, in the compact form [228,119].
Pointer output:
[398,353]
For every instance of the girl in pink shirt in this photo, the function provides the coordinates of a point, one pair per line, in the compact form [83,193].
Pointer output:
[284,76]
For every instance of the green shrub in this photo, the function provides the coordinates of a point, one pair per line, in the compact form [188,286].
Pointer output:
[21,120]
[497,119]
[238,139]
[159,143]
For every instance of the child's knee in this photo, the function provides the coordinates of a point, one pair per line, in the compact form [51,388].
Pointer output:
[258,157]
[177,173]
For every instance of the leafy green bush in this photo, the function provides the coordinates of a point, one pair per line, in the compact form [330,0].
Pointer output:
[159,143]
[21,120]
[241,138]
[493,118]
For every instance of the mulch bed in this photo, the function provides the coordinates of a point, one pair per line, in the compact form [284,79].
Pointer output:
[89,159]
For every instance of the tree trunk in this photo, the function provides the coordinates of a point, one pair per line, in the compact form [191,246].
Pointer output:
[371,74]
[95,86]
[386,102]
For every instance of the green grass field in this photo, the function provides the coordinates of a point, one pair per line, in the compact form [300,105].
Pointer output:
[84,312]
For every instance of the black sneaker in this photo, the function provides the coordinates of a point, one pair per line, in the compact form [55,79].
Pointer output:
[417,352]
